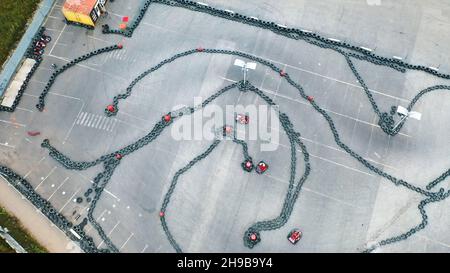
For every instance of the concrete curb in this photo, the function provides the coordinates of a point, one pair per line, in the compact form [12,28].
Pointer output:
[14,61]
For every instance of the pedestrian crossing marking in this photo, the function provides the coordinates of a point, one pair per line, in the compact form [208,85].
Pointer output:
[95,121]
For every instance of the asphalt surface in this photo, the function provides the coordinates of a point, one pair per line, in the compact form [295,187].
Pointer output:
[342,207]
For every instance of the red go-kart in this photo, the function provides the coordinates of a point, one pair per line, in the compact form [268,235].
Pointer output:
[294,236]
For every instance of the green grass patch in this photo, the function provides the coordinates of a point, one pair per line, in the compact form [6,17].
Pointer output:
[18,233]
[14,15]
[4,247]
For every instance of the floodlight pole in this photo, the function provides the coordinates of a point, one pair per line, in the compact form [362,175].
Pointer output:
[245,69]
[403,119]
[406,114]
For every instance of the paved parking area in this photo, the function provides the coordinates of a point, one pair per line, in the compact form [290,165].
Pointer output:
[342,206]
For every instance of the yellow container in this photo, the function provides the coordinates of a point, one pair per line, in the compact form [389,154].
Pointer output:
[84,12]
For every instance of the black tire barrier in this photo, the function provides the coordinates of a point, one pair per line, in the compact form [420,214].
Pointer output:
[27,190]
[250,241]
[386,120]
[38,59]
[110,163]
[274,27]
[41,100]
[276,223]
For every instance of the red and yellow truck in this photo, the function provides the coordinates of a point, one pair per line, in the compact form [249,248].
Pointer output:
[84,12]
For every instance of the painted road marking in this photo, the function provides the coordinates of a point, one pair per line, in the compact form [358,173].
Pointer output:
[109,234]
[95,121]
[68,201]
[65,180]
[45,178]
[131,235]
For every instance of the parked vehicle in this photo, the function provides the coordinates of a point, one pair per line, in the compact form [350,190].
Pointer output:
[294,236]
[261,167]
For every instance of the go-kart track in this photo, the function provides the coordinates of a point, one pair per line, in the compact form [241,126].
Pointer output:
[106,166]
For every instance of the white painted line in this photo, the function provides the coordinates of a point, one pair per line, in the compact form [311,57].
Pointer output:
[98,39]
[283,26]
[115,14]
[329,197]
[24,109]
[315,192]
[132,125]
[339,164]
[7,145]
[81,117]
[340,150]
[65,96]
[111,125]
[229,11]
[13,123]
[68,201]
[105,124]
[334,40]
[102,122]
[133,116]
[91,120]
[54,17]
[75,234]
[51,11]
[433,68]
[73,124]
[115,55]
[97,119]
[43,83]
[28,173]
[101,215]
[65,180]
[57,39]
[254,18]
[25,94]
[145,248]
[398,58]
[329,161]
[202,4]
[305,30]
[108,124]
[109,234]
[131,235]
[366,48]
[347,83]
[53,29]
[51,171]
[100,119]
[85,119]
